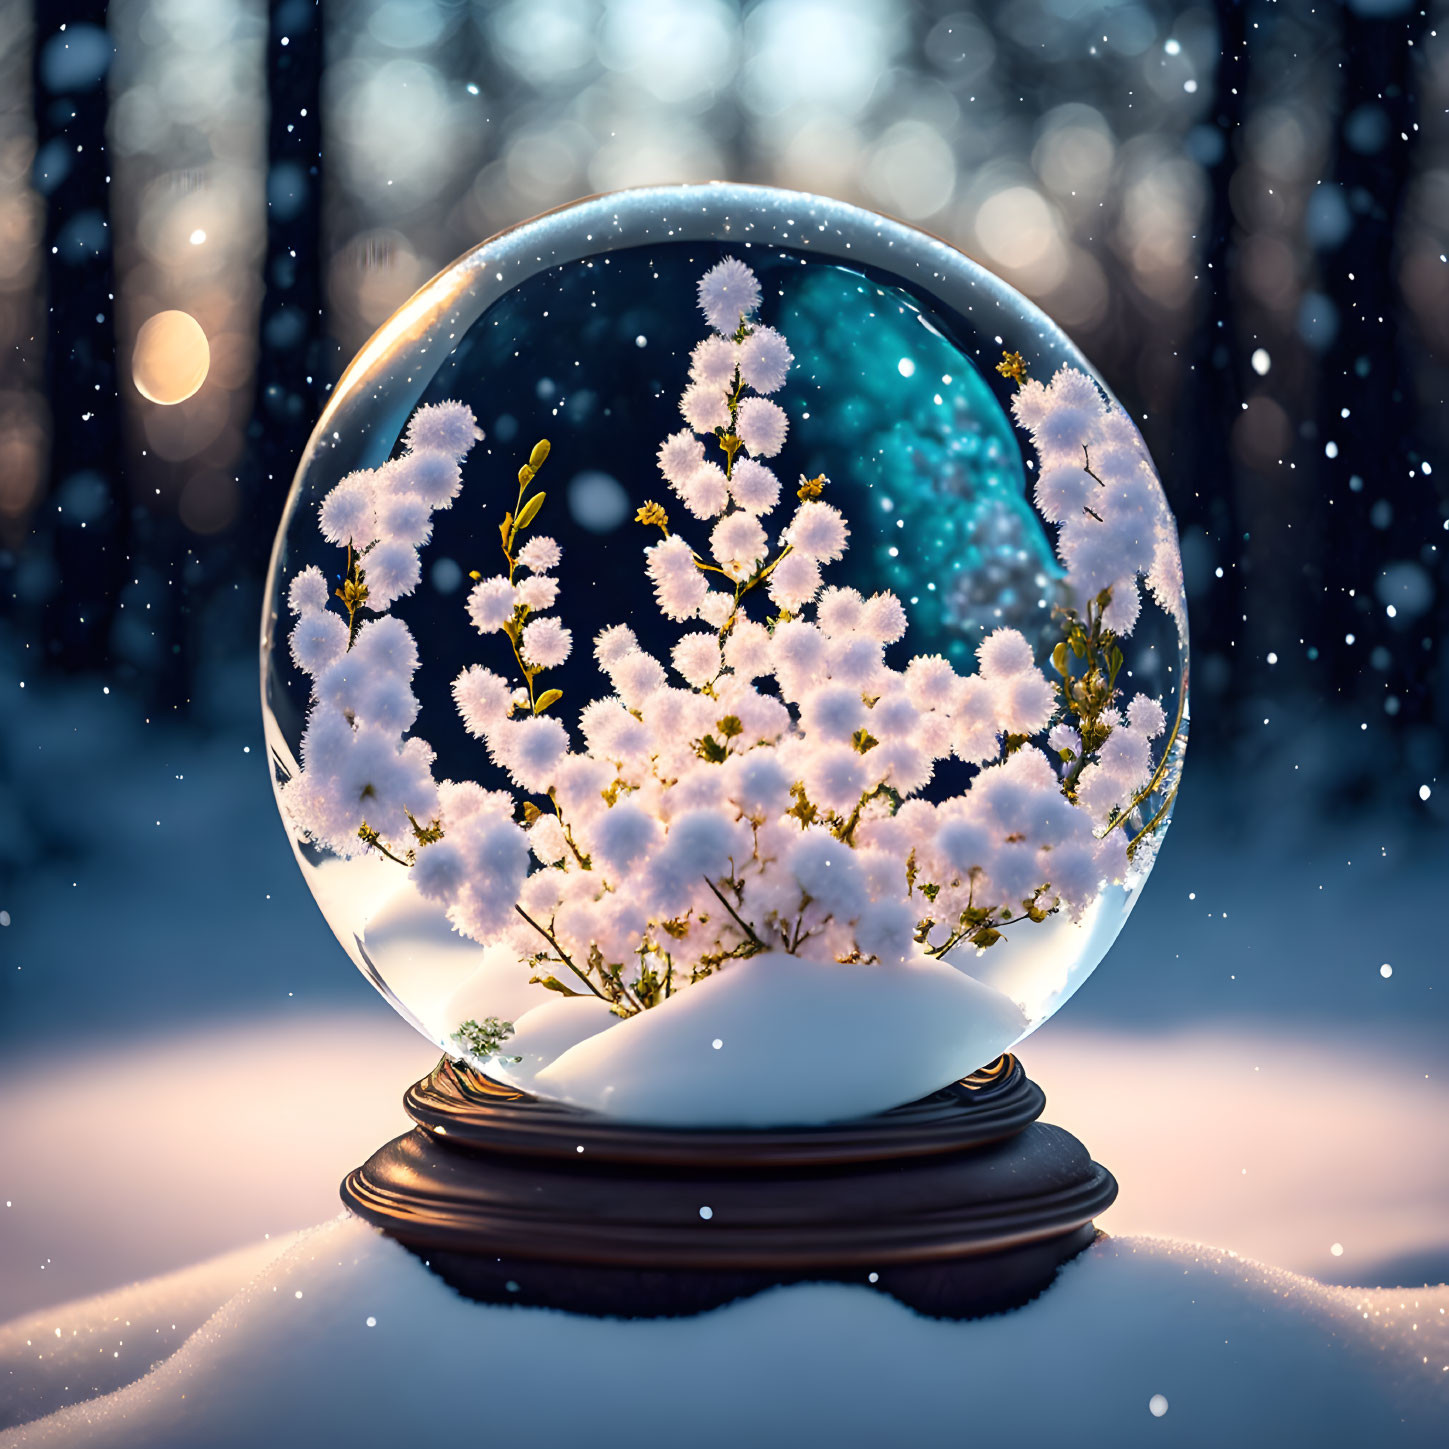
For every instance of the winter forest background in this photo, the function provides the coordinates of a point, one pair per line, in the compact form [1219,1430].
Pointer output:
[1240,211]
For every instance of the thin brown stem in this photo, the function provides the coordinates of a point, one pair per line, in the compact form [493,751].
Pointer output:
[563,955]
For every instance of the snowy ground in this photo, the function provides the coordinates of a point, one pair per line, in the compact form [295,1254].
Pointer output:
[169,993]
[345,1338]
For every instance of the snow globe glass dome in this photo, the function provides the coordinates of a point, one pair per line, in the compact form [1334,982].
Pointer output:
[724,660]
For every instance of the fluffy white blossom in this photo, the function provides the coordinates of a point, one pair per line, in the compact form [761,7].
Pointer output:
[728,292]
[546,643]
[713,363]
[483,699]
[697,658]
[705,407]
[679,455]
[794,581]
[308,591]
[318,639]
[738,543]
[764,360]
[348,514]
[705,492]
[432,475]
[446,427]
[538,591]
[541,554]
[761,426]
[819,531]
[753,486]
[391,571]
[491,603]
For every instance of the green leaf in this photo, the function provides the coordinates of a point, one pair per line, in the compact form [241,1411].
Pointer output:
[553,984]
[529,511]
[711,750]
[548,697]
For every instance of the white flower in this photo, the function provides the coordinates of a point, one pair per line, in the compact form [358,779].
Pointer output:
[404,518]
[747,649]
[765,358]
[885,930]
[717,607]
[713,363]
[440,871]
[386,701]
[840,611]
[390,571]
[308,591]
[856,659]
[433,475]
[613,643]
[529,749]
[753,486]
[1063,491]
[799,647]
[1064,737]
[758,783]
[884,618]
[547,840]
[679,455]
[1004,652]
[636,675]
[930,681]
[1120,615]
[835,778]
[538,591]
[483,699]
[793,582]
[622,835]
[738,542]
[696,657]
[491,603]
[1147,716]
[387,646]
[705,492]
[705,408]
[826,870]
[728,292]
[347,514]
[833,712]
[819,531]
[546,643]
[541,554]
[1024,702]
[318,639]
[761,426]
[445,427]
[679,587]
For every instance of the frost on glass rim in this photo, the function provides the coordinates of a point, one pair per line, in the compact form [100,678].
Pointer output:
[730,849]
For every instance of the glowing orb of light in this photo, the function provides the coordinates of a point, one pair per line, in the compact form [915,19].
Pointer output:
[171,357]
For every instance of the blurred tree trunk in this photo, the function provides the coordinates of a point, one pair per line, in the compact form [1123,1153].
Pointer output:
[293,371]
[1364,370]
[1204,483]
[88,514]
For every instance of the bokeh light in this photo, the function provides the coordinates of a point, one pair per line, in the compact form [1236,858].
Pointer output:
[171,357]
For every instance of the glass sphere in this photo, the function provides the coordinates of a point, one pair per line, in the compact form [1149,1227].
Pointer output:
[791,735]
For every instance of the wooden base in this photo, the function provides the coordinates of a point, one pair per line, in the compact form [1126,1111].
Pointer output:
[959,1204]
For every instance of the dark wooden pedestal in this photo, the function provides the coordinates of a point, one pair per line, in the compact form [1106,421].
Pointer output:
[959,1204]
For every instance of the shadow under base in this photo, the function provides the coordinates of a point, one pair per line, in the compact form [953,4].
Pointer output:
[957,1205]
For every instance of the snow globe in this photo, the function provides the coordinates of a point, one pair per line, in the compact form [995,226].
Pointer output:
[725,681]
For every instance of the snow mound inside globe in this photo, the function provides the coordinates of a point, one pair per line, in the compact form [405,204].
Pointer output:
[724,661]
